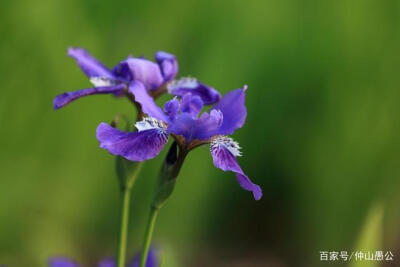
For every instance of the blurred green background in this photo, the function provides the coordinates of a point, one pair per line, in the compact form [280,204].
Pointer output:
[321,138]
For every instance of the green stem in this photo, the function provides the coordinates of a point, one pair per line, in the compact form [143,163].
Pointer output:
[164,188]
[147,238]
[126,184]
[124,227]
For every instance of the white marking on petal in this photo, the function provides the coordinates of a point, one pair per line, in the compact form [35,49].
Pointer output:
[102,81]
[185,82]
[150,123]
[228,143]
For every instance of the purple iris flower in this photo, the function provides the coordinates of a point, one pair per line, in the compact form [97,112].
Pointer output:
[152,261]
[116,81]
[182,119]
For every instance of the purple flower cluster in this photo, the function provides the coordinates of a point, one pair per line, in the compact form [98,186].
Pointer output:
[181,117]
[143,72]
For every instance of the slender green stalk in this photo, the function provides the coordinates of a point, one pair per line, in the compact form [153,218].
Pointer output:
[149,233]
[127,174]
[124,227]
[164,188]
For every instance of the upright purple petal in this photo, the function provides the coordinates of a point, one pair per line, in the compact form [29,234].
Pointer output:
[66,98]
[108,262]
[234,110]
[171,107]
[190,85]
[191,128]
[89,64]
[122,71]
[145,71]
[191,104]
[135,146]
[224,150]
[149,107]
[168,65]
[152,260]
[62,262]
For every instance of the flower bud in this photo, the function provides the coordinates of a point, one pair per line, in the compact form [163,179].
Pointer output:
[168,174]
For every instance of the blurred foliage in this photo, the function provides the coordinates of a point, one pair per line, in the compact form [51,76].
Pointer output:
[370,239]
[322,135]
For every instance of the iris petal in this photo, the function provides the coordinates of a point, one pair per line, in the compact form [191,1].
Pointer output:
[62,262]
[222,151]
[122,71]
[66,98]
[232,106]
[145,71]
[168,65]
[89,64]
[151,259]
[191,104]
[190,85]
[134,146]
[108,262]
[191,128]
[149,107]
[171,107]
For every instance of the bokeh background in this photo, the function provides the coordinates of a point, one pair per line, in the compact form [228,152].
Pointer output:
[321,138]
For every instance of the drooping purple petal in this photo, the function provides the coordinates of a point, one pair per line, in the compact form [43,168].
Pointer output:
[152,260]
[149,107]
[190,85]
[168,65]
[191,128]
[191,104]
[245,182]
[108,262]
[234,110]
[66,98]
[62,262]
[224,150]
[171,107]
[145,71]
[134,146]
[89,64]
